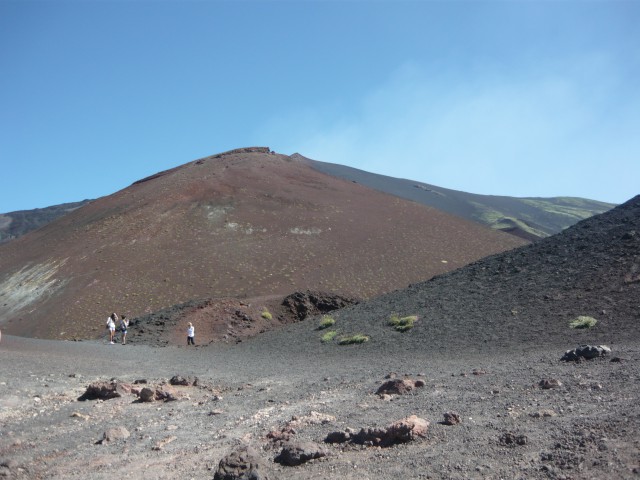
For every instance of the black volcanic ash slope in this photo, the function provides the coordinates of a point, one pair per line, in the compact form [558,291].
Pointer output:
[530,218]
[522,298]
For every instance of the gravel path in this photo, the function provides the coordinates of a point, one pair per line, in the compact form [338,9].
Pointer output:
[582,429]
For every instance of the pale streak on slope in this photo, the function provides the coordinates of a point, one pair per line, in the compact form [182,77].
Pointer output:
[29,285]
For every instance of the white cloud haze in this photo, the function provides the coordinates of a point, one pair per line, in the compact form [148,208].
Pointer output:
[542,132]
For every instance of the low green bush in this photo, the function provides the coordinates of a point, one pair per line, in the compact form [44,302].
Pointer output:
[326,322]
[402,324]
[359,338]
[266,314]
[583,322]
[328,336]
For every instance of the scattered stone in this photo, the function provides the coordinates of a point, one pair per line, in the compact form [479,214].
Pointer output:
[147,395]
[284,435]
[140,381]
[543,413]
[452,418]
[80,415]
[478,371]
[243,463]
[166,394]
[294,454]
[113,434]
[511,439]
[165,441]
[338,437]
[406,430]
[398,386]
[586,352]
[314,418]
[105,391]
[549,383]
[216,412]
[188,381]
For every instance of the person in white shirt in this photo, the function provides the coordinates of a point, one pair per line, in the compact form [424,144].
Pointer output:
[191,332]
[111,325]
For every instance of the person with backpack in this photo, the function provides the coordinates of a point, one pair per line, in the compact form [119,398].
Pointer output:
[191,332]
[124,325]
[111,326]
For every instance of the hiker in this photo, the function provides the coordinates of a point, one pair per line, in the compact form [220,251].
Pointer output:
[111,325]
[191,332]
[124,324]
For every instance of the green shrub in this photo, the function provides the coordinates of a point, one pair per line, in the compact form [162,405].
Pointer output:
[326,322]
[358,338]
[328,336]
[402,324]
[583,322]
[266,314]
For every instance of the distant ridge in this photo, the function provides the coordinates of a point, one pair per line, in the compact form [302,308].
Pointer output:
[16,224]
[531,218]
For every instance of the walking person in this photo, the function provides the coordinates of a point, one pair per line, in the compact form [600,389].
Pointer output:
[111,325]
[124,325]
[191,333]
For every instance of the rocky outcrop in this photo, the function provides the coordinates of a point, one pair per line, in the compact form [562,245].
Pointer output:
[105,391]
[113,434]
[309,303]
[162,393]
[451,418]
[406,430]
[399,386]
[585,352]
[243,463]
[297,453]
[187,381]
[548,383]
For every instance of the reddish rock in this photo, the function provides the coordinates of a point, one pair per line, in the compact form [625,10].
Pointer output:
[402,431]
[452,418]
[396,386]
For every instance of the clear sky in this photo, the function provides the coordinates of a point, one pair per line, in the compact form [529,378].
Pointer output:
[518,98]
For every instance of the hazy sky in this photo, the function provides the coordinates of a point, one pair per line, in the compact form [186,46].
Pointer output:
[505,97]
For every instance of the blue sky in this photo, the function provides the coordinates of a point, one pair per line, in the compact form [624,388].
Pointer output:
[505,97]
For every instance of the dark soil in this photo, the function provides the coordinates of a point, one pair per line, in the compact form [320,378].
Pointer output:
[486,345]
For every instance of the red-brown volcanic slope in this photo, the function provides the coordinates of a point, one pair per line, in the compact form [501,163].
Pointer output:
[242,224]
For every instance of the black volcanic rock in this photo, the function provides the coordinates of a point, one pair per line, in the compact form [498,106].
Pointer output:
[306,304]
